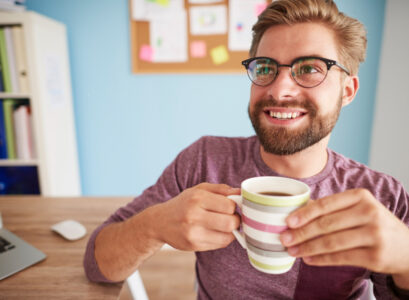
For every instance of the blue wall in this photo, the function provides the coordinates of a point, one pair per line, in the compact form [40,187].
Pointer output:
[130,127]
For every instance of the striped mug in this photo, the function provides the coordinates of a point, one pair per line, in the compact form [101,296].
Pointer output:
[265,202]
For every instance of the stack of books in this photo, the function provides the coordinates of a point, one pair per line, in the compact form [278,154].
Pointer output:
[13,66]
[12,5]
[15,115]
[16,137]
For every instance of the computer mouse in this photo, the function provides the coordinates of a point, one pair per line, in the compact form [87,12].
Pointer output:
[70,229]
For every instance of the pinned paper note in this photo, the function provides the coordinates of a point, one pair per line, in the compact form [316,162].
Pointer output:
[144,10]
[219,55]
[198,49]
[260,7]
[242,16]
[209,19]
[168,36]
[204,1]
[146,53]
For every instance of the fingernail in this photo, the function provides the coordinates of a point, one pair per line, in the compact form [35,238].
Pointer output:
[293,251]
[286,238]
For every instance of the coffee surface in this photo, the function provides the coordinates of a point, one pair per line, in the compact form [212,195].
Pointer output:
[272,193]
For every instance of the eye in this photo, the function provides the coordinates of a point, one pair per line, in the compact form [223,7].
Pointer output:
[307,69]
[264,69]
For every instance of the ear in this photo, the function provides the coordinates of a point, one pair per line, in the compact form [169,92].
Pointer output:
[349,89]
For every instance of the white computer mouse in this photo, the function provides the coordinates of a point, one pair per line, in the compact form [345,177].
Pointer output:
[70,229]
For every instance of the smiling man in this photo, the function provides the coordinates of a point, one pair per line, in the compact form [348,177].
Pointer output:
[303,67]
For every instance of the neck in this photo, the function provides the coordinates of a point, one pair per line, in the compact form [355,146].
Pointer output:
[303,164]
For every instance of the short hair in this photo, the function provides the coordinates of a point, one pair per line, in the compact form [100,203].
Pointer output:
[350,34]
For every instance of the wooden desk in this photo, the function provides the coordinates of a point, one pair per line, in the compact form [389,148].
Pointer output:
[60,275]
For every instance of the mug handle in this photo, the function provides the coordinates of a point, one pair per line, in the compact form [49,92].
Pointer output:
[238,235]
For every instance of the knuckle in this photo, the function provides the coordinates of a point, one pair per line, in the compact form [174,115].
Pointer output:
[300,234]
[378,235]
[324,223]
[323,204]
[201,185]
[307,248]
[190,235]
[376,259]
[363,194]
[330,244]
[196,196]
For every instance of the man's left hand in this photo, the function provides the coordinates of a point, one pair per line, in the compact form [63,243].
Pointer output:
[350,228]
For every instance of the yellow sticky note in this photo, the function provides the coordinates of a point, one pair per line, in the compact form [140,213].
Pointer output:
[219,55]
[163,2]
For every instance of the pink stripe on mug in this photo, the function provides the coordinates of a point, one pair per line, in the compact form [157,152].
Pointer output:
[263,227]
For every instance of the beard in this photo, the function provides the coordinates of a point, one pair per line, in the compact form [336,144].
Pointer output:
[283,141]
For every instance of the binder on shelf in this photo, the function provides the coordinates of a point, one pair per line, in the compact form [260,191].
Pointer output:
[3,144]
[4,62]
[11,59]
[21,180]
[1,79]
[8,107]
[21,63]
[22,129]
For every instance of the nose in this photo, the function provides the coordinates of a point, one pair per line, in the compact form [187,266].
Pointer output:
[283,87]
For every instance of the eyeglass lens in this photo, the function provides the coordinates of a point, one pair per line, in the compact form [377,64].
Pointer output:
[307,72]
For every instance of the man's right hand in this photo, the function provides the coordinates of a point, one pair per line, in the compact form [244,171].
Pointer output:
[198,219]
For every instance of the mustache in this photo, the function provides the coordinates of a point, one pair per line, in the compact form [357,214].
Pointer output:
[285,104]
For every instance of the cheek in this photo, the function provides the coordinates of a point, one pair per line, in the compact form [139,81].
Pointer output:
[256,93]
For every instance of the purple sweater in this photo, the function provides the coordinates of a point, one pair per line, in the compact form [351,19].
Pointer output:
[226,273]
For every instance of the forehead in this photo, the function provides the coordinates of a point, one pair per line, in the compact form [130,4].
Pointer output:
[286,42]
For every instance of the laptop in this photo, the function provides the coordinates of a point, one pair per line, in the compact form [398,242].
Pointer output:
[15,254]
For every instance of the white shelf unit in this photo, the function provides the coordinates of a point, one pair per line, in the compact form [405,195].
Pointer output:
[50,99]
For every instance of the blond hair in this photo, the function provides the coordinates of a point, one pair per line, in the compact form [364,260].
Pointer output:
[350,34]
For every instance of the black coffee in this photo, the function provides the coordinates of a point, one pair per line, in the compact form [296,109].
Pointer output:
[275,194]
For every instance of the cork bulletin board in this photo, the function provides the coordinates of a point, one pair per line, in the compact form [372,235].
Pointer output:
[206,46]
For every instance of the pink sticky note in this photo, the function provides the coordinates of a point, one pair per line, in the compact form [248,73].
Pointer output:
[260,8]
[146,53]
[198,49]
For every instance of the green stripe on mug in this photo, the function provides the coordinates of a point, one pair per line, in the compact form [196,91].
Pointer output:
[275,201]
[270,267]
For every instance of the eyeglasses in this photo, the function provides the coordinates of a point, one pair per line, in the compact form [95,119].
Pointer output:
[307,72]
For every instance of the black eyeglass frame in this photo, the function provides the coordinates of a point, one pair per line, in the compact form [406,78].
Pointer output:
[328,62]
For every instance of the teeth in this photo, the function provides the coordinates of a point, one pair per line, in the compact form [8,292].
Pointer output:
[279,115]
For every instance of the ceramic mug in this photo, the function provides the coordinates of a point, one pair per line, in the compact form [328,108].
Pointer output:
[265,202]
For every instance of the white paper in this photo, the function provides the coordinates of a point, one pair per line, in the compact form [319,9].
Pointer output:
[54,79]
[206,20]
[242,17]
[145,10]
[168,37]
[204,1]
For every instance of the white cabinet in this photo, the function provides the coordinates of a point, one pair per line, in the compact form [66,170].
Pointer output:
[50,99]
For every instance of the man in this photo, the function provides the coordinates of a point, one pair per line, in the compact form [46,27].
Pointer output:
[303,67]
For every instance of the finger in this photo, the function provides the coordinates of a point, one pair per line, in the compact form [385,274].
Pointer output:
[339,220]
[217,203]
[220,222]
[221,189]
[324,206]
[212,240]
[359,257]
[335,242]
